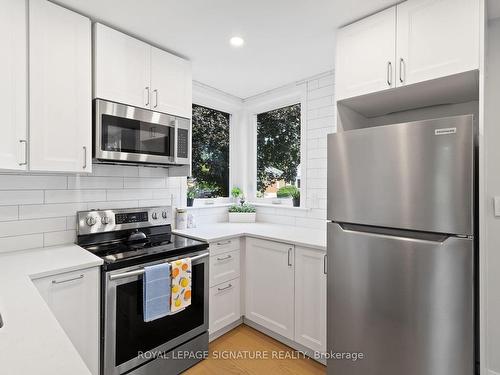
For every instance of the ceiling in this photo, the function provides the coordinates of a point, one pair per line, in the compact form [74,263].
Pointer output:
[285,40]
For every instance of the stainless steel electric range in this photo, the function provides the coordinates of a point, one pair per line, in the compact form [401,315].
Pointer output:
[129,240]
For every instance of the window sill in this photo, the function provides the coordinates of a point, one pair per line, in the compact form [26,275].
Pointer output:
[274,205]
[207,205]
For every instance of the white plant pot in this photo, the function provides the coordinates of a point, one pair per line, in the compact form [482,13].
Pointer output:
[242,217]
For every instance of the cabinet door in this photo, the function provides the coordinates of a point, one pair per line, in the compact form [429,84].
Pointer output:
[310,298]
[73,298]
[225,304]
[436,38]
[269,285]
[365,55]
[60,89]
[122,68]
[171,83]
[224,267]
[13,76]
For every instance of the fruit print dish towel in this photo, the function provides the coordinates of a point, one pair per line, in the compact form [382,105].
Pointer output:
[181,284]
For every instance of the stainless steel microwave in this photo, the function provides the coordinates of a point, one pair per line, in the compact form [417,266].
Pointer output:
[130,135]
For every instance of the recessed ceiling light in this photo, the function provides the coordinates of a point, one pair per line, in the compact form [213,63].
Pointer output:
[236,41]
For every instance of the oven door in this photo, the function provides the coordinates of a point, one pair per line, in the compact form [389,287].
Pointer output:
[126,334]
[128,134]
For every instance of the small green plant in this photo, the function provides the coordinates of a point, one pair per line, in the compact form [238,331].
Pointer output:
[243,208]
[236,192]
[287,191]
[295,194]
[192,191]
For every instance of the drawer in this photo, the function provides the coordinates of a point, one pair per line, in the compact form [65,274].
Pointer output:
[223,246]
[225,305]
[224,267]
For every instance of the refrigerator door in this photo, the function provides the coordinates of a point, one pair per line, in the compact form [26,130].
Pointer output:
[406,303]
[416,175]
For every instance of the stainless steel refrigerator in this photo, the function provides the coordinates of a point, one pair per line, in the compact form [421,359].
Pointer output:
[401,249]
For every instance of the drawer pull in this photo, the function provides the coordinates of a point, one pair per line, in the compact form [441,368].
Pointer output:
[226,287]
[68,280]
[325,264]
[224,243]
[225,258]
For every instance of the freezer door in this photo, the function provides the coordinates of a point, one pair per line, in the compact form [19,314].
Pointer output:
[405,303]
[415,175]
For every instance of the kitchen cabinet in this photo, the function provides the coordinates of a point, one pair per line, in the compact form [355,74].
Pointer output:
[269,285]
[122,67]
[224,267]
[225,305]
[132,72]
[412,42]
[436,39]
[365,55]
[13,75]
[60,89]
[73,298]
[310,298]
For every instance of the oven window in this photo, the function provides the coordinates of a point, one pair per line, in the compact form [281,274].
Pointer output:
[134,335]
[134,136]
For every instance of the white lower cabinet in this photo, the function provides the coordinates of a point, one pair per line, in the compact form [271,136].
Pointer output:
[269,285]
[224,306]
[310,298]
[73,298]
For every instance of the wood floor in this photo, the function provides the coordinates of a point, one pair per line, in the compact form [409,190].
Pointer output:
[244,340]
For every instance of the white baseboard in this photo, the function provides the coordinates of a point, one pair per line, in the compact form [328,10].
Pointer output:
[226,329]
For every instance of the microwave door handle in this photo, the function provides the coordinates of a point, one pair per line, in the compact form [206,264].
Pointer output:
[176,127]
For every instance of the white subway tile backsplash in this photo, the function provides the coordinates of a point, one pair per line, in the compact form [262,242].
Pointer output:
[144,183]
[107,205]
[8,213]
[9,197]
[152,172]
[69,196]
[24,182]
[14,243]
[129,194]
[59,238]
[22,227]
[91,182]
[40,211]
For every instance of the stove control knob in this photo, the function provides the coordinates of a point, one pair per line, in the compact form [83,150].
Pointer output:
[90,220]
[164,214]
[154,215]
[105,220]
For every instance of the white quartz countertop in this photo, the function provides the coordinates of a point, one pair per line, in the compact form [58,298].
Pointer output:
[31,340]
[314,238]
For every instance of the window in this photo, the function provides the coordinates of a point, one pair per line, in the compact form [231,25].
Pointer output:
[278,150]
[210,152]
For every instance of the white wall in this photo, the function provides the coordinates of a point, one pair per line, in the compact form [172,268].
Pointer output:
[40,210]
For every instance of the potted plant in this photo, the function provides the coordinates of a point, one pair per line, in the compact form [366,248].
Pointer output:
[191,194]
[296,197]
[242,213]
[236,192]
[288,191]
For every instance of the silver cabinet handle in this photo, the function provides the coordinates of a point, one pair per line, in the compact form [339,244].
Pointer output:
[289,257]
[25,142]
[389,73]
[147,96]
[68,280]
[402,68]
[226,287]
[156,98]
[224,243]
[325,264]
[225,258]
[1,321]
[84,157]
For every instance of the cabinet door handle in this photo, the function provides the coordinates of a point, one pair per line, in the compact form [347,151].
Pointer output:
[68,280]
[224,243]
[389,73]
[25,142]
[156,98]
[402,72]
[84,157]
[325,264]
[289,257]
[147,96]
[225,258]
[226,287]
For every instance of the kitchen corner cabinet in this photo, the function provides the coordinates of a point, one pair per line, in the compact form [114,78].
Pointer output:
[269,285]
[310,298]
[132,72]
[412,42]
[60,90]
[73,298]
[13,96]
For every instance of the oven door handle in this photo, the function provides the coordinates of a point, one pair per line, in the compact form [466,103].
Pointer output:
[140,271]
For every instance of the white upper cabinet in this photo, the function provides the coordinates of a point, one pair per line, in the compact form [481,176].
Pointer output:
[436,38]
[365,55]
[129,71]
[122,68]
[13,76]
[171,84]
[60,89]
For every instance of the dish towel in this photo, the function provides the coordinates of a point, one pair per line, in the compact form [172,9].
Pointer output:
[156,285]
[181,284]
